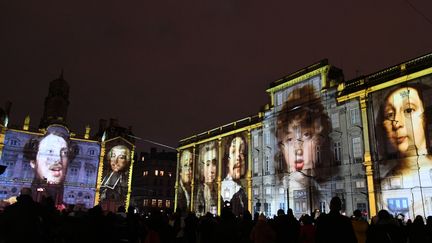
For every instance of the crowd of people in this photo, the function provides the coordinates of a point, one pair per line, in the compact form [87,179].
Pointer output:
[28,221]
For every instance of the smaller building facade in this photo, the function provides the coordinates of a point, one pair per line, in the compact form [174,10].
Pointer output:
[153,181]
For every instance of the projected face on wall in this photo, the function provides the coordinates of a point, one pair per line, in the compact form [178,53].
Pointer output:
[236,158]
[209,162]
[403,121]
[186,167]
[52,159]
[119,157]
[114,186]
[301,124]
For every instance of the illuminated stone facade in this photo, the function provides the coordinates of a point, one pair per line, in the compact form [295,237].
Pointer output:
[365,140]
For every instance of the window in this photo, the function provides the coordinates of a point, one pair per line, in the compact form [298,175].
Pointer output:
[397,205]
[267,165]
[159,203]
[142,158]
[153,202]
[360,184]
[281,190]
[146,203]
[282,206]
[355,116]
[337,151]
[279,98]
[357,148]
[395,182]
[268,190]
[74,171]
[255,167]
[91,152]
[156,172]
[145,173]
[169,174]
[161,173]
[266,138]
[89,172]
[256,191]
[167,203]
[339,185]
[335,120]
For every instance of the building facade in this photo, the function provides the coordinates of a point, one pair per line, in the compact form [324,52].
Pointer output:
[55,162]
[320,137]
[154,180]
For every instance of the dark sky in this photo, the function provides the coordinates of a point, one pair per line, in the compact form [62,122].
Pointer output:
[172,69]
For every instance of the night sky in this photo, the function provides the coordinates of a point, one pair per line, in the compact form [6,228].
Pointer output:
[172,69]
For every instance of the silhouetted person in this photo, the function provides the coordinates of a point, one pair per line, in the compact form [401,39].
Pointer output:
[281,224]
[227,229]
[360,226]
[307,230]
[24,221]
[206,229]
[262,232]
[334,227]
[417,232]
[385,230]
[293,229]
[245,227]
[429,227]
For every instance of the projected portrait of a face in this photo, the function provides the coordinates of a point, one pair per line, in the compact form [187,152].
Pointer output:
[403,121]
[115,181]
[236,158]
[185,179]
[49,156]
[209,162]
[301,126]
[206,186]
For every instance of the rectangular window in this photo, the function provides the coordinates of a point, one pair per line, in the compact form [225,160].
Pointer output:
[156,172]
[339,185]
[255,167]
[267,165]
[335,120]
[255,140]
[279,98]
[268,190]
[282,206]
[398,205]
[266,138]
[153,202]
[395,182]
[337,151]
[159,203]
[281,190]
[357,148]
[161,173]
[168,203]
[256,191]
[145,173]
[355,116]
[360,184]
[146,203]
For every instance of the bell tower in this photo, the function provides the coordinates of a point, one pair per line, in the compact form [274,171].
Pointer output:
[56,103]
